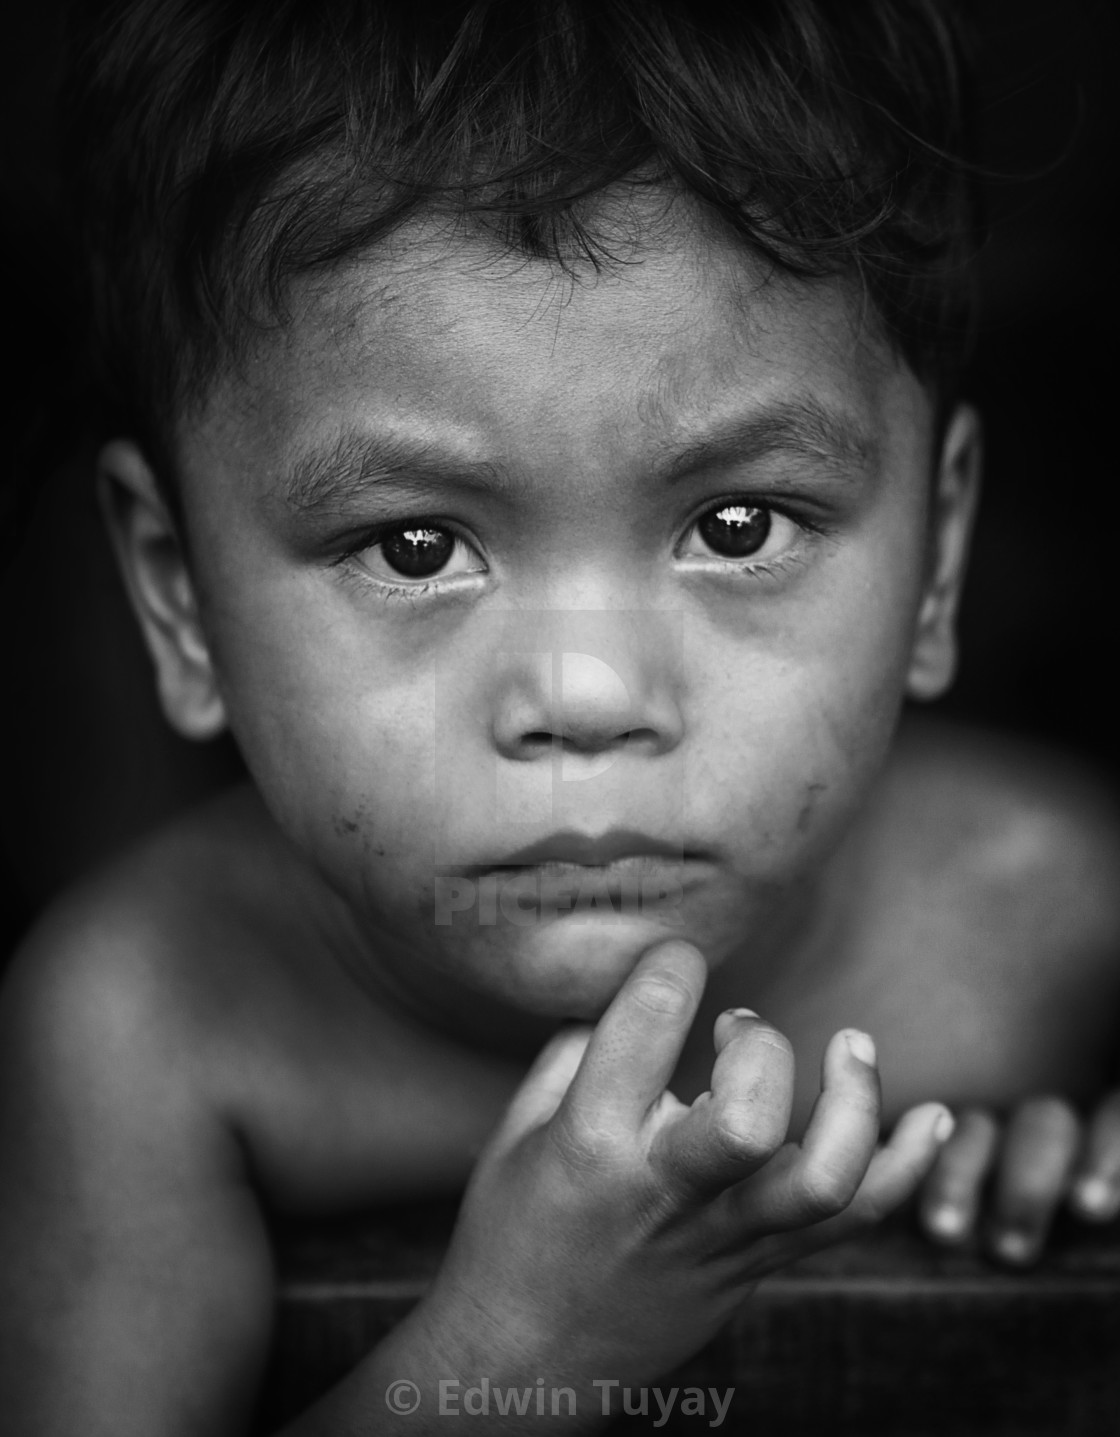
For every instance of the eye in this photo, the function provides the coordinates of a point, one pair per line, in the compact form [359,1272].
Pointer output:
[739,530]
[419,550]
[735,531]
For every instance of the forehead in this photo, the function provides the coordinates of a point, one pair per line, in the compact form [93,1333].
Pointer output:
[442,334]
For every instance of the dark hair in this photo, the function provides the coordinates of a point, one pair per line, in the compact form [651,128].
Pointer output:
[220,147]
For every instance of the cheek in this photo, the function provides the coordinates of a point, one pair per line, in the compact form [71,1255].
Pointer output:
[341,746]
[796,732]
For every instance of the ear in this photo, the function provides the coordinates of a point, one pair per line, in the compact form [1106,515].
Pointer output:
[156,574]
[933,660]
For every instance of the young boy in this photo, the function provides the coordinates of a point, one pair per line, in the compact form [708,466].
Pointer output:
[543,454]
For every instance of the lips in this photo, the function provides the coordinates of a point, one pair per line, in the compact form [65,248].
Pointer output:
[569,848]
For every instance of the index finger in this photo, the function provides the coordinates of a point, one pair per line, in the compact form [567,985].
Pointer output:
[638,1040]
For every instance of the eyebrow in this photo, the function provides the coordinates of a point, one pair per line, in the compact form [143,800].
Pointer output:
[802,428]
[328,480]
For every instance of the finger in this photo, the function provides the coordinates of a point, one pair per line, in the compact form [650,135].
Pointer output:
[896,1171]
[729,1025]
[637,1041]
[544,1086]
[739,1125]
[893,1175]
[1096,1188]
[951,1196]
[1039,1149]
[809,1182]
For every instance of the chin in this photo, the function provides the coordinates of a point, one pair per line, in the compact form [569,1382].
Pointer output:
[573,967]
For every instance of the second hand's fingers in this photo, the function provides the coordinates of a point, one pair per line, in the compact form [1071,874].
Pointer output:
[897,1169]
[636,1043]
[741,1123]
[1096,1188]
[951,1196]
[818,1178]
[893,1175]
[1039,1149]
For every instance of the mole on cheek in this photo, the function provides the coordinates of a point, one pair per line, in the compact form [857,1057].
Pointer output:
[812,792]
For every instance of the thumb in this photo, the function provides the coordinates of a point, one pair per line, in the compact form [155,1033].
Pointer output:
[543,1087]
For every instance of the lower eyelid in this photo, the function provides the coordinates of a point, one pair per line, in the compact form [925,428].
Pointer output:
[371,586]
[789,559]
[437,586]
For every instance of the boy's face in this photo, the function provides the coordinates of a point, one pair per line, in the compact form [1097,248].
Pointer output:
[488,561]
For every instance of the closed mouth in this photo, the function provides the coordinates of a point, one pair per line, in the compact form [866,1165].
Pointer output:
[618,849]
[616,855]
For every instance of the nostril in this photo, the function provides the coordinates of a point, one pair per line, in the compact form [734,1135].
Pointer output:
[575,741]
[645,738]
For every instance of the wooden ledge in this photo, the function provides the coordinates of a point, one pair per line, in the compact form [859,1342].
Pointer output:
[887,1337]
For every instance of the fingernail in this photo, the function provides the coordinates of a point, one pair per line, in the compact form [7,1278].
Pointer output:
[1095,1196]
[739,1013]
[1014,1246]
[860,1046]
[943,1126]
[947,1221]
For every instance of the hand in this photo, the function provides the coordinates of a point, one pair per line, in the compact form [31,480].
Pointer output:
[611,1230]
[1008,1186]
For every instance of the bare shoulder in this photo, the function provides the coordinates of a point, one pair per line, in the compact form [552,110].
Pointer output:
[1026,831]
[991,912]
[139,962]
[183,987]
[130,1235]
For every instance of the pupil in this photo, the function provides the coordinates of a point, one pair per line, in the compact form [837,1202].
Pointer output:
[736,530]
[417,553]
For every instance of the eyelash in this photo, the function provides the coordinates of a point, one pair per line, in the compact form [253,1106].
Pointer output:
[792,558]
[371,537]
[764,569]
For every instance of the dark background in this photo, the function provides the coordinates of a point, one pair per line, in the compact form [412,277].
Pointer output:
[88,762]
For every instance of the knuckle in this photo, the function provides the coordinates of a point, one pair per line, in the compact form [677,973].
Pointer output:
[586,1147]
[745,1135]
[768,1037]
[662,993]
[865,1100]
[824,1191]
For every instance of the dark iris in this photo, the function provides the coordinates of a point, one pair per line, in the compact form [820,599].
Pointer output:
[418,553]
[736,530]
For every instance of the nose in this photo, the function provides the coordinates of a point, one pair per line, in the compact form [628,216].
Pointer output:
[587,703]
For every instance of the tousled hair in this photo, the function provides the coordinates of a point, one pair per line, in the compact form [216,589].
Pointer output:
[219,148]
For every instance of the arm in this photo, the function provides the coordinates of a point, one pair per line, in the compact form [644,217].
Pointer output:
[137,1286]
[1007,1171]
